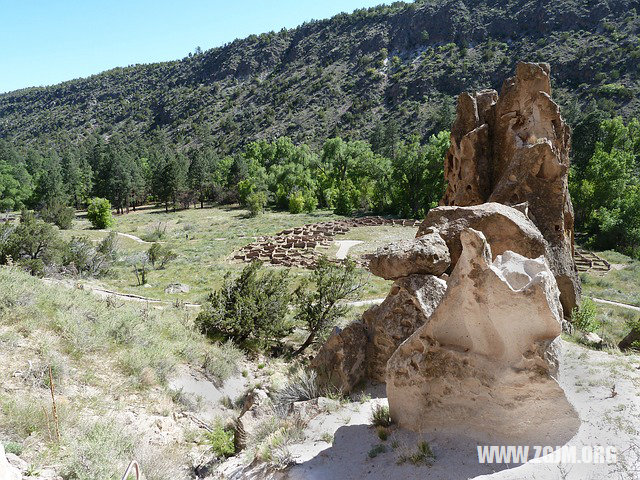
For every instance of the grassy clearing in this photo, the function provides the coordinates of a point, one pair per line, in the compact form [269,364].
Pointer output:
[619,285]
[205,240]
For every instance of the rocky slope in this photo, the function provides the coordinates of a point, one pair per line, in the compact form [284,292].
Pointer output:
[346,74]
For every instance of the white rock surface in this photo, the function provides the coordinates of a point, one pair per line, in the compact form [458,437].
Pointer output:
[481,363]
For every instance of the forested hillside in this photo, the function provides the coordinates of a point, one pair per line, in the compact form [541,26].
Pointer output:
[345,75]
[349,114]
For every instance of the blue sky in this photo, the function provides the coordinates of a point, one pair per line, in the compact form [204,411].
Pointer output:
[43,42]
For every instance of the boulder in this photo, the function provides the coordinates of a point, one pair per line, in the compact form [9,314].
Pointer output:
[633,337]
[341,361]
[408,306]
[177,288]
[505,228]
[482,365]
[426,255]
[514,148]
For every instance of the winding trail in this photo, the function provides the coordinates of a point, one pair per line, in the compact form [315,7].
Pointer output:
[616,304]
[127,235]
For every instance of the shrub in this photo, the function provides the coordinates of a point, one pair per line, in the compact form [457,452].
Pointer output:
[102,451]
[250,310]
[310,202]
[302,386]
[221,361]
[160,255]
[13,447]
[58,214]
[256,202]
[221,441]
[584,317]
[320,302]
[296,202]
[159,231]
[32,244]
[99,213]
[380,416]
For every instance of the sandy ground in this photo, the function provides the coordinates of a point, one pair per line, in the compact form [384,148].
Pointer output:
[587,377]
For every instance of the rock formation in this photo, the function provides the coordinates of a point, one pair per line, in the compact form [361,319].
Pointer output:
[504,227]
[514,148]
[482,363]
[427,255]
[341,361]
[409,304]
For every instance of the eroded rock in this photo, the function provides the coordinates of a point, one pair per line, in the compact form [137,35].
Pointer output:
[505,228]
[409,304]
[341,361]
[426,255]
[512,149]
[482,364]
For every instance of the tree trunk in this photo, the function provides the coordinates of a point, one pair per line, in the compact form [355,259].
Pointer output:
[306,343]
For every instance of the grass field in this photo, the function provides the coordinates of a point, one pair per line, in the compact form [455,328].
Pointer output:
[205,240]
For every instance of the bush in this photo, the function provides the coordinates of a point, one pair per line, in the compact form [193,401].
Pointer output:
[584,318]
[256,202]
[80,254]
[221,361]
[99,213]
[302,386]
[250,310]
[160,255]
[58,214]
[380,416]
[310,202]
[296,202]
[321,302]
[221,441]
[32,244]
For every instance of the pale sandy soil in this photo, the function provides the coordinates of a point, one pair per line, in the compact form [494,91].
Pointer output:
[587,377]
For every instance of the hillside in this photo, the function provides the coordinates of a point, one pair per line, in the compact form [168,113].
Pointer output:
[346,74]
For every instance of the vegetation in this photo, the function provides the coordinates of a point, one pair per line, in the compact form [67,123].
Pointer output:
[585,317]
[320,301]
[251,309]
[380,416]
[99,213]
[221,441]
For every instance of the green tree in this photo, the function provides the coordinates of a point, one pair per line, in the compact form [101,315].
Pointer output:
[251,309]
[99,213]
[320,301]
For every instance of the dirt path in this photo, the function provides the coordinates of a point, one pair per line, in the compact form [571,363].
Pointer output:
[617,304]
[344,246]
[104,293]
[127,235]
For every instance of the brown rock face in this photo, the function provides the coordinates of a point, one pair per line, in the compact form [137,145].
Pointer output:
[514,148]
[426,255]
[483,363]
[340,362]
[409,304]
